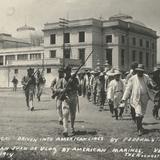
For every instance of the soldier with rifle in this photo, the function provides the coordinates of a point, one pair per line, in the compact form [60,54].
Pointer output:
[29,85]
[69,98]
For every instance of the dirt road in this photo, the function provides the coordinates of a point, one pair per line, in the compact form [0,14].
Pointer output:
[37,135]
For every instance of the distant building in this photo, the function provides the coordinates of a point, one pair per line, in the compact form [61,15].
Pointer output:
[120,40]
[7,41]
[30,34]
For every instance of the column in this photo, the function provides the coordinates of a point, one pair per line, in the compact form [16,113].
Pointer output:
[4,60]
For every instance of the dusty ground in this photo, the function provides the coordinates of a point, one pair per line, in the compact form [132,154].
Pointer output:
[37,135]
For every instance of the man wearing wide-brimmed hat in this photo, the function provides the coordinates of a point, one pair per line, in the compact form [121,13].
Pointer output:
[115,93]
[139,92]
[99,88]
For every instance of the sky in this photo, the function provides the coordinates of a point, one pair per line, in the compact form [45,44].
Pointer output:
[15,13]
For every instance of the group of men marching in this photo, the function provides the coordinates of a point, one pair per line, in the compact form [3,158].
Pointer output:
[102,88]
[133,91]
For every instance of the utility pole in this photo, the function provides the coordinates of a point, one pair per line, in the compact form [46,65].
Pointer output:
[64,24]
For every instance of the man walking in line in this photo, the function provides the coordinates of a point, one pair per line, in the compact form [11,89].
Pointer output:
[100,89]
[115,93]
[132,72]
[66,90]
[156,87]
[137,87]
[70,102]
[29,85]
[57,88]
[40,84]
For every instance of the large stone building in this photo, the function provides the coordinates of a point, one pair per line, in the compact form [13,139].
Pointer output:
[18,54]
[120,40]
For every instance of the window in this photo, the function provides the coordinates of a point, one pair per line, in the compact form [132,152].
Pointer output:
[22,57]
[147,44]
[53,54]
[66,38]
[48,70]
[109,55]
[109,39]
[153,60]
[81,36]
[1,60]
[140,57]
[82,55]
[16,71]
[35,56]
[67,53]
[123,39]
[122,56]
[10,57]
[140,42]
[147,59]
[133,55]
[153,45]
[134,41]
[52,39]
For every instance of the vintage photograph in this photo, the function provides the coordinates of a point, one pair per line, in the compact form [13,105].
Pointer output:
[79,80]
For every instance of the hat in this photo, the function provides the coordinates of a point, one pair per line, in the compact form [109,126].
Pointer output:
[30,70]
[117,72]
[60,69]
[92,72]
[134,65]
[122,105]
[106,64]
[140,67]
[156,69]
[68,68]
[110,72]
[101,74]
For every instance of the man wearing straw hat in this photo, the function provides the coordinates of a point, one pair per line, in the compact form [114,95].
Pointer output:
[115,93]
[137,88]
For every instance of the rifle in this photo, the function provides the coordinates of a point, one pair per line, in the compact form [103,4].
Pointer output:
[26,85]
[62,96]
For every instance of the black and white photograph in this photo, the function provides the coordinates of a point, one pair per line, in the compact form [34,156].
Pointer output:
[80,80]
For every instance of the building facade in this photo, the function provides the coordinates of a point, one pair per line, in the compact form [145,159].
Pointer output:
[16,61]
[120,40]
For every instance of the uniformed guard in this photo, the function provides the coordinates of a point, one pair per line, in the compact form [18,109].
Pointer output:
[29,85]
[40,84]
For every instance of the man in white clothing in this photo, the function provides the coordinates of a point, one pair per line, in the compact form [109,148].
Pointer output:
[137,88]
[115,93]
